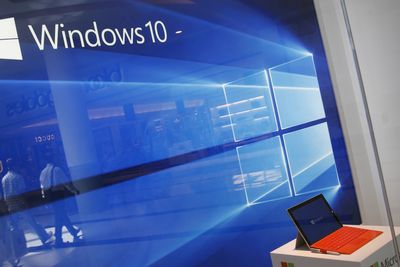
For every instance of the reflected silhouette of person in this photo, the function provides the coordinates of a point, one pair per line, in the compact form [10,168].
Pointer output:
[12,240]
[3,230]
[56,186]
[13,187]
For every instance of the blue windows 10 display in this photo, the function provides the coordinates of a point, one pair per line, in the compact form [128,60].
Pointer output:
[185,149]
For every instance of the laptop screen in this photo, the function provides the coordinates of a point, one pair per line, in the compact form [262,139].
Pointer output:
[315,219]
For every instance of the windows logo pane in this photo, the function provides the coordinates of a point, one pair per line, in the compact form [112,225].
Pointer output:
[294,155]
[9,42]
[250,107]
[311,159]
[264,171]
[297,92]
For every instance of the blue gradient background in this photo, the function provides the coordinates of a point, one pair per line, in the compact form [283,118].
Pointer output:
[111,108]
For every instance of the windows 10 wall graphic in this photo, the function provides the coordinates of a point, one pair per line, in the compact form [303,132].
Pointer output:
[178,132]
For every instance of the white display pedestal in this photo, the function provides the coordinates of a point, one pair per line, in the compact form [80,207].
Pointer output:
[379,252]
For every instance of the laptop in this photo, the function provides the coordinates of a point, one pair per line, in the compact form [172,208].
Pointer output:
[322,230]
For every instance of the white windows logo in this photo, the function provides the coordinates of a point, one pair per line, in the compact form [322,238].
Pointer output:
[9,42]
[284,106]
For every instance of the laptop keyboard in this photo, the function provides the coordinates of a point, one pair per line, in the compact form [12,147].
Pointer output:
[339,238]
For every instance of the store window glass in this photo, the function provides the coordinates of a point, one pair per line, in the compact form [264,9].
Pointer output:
[164,133]
[379,107]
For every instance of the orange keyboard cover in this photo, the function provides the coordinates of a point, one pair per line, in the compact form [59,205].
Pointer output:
[346,240]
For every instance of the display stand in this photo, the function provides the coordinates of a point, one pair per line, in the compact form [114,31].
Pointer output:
[300,243]
[378,252]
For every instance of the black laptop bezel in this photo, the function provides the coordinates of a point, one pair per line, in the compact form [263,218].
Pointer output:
[317,197]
